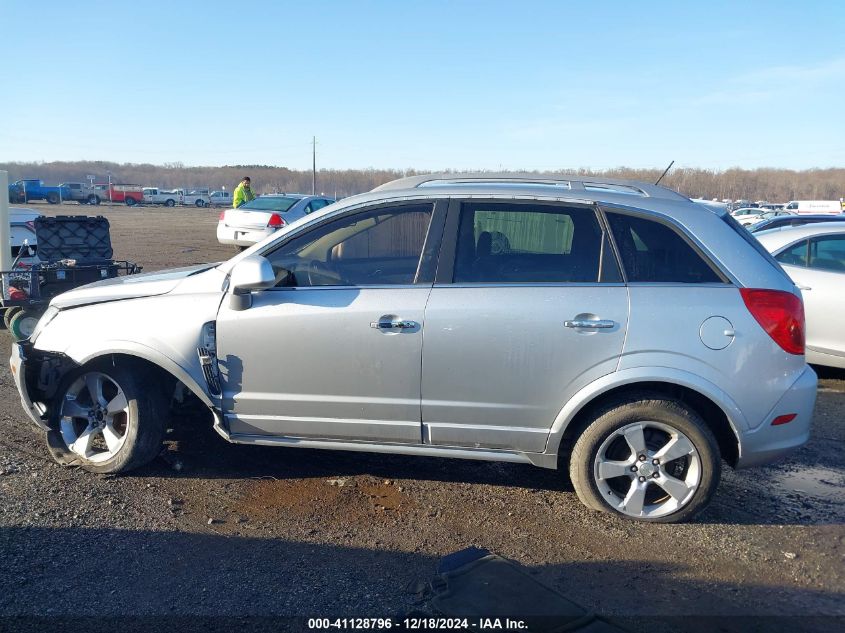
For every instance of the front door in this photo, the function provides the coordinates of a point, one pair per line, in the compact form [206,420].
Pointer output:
[334,351]
[533,310]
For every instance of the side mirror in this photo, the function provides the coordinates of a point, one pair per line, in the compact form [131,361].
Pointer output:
[251,273]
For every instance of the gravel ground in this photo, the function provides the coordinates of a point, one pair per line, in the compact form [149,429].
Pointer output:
[222,530]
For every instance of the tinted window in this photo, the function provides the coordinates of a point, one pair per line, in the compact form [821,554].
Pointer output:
[654,252]
[523,243]
[828,253]
[377,247]
[795,255]
[271,203]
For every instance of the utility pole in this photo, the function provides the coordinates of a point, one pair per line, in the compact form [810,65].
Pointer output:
[314,166]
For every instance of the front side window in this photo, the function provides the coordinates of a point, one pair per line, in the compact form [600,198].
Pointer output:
[828,253]
[654,252]
[795,255]
[527,243]
[377,247]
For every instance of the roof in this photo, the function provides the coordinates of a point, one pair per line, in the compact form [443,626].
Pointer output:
[541,183]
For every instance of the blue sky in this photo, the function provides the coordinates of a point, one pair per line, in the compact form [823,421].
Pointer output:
[428,85]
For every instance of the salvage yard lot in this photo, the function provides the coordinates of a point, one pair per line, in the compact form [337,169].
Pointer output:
[216,529]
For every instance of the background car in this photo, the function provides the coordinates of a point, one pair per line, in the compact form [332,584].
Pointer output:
[791,219]
[220,198]
[255,220]
[813,256]
[22,223]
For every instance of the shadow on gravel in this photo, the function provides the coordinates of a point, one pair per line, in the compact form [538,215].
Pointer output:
[83,572]
[202,454]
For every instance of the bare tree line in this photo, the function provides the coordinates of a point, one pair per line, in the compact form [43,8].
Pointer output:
[774,185]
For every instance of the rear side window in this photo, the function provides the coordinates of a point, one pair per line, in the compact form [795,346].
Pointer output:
[828,253]
[654,252]
[529,243]
[795,255]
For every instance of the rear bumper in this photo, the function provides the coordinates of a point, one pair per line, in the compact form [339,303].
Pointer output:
[241,236]
[768,443]
[17,362]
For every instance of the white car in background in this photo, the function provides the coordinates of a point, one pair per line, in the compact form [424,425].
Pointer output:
[22,223]
[813,255]
[252,222]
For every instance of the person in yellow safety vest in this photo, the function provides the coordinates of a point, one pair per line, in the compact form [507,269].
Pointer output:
[243,193]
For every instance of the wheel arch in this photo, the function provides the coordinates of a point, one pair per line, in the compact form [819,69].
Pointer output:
[166,368]
[719,412]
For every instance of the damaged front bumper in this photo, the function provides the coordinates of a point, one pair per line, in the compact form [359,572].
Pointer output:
[36,376]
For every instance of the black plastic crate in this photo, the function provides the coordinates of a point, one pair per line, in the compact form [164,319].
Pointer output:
[85,239]
[78,275]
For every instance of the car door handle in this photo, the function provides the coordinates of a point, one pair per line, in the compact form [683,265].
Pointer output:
[393,325]
[600,324]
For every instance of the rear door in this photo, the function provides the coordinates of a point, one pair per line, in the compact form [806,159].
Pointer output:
[817,266]
[529,306]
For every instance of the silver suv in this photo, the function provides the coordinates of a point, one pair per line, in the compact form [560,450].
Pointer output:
[612,329]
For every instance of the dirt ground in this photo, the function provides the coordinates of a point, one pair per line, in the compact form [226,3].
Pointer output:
[212,529]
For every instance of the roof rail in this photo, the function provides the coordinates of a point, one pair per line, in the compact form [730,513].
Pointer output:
[575,182]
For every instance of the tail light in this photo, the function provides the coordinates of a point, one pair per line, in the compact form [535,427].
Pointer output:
[222,216]
[780,313]
[275,221]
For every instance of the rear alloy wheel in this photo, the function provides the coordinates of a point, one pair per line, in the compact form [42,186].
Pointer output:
[53,197]
[200,203]
[650,459]
[170,202]
[94,200]
[107,419]
[130,202]
[22,324]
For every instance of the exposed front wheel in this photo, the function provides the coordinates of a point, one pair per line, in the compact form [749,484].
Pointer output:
[108,418]
[648,459]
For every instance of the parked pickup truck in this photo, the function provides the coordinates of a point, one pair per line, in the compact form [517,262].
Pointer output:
[33,189]
[128,194]
[81,192]
[195,197]
[154,195]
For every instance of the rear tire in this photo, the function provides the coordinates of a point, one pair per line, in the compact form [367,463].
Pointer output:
[53,197]
[200,203]
[22,324]
[170,202]
[118,429]
[130,202]
[94,200]
[608,474]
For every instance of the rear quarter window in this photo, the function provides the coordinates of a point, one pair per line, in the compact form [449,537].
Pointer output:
[655,252]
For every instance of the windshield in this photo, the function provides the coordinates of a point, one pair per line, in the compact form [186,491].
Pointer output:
[271,203]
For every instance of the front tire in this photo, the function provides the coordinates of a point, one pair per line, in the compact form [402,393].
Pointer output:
[130,202]
[108,418]
[200,203]
[649,458]
[93,199]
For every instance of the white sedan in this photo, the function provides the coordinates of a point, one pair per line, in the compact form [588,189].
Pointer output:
[813,255]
